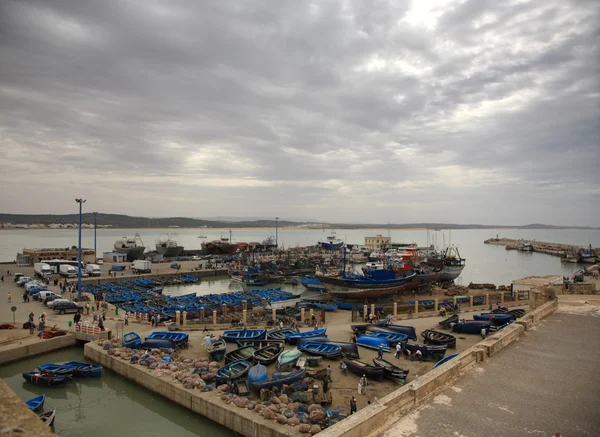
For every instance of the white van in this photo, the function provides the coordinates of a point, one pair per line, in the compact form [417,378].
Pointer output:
[67,271]
[93,270]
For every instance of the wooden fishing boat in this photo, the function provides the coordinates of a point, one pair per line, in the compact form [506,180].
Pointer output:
[349,350]
[279,379]
[393,337]
[158,343]
[56,369]
[279,334]
[234,335]
[217,350]
[438,338]
[428,352]
[471,326]
[241,353]
[43,378]
[293,338]
[445,359]
[373,342]
[391,371]
[180,339]
[288,358]
[322,349]
[268,354]
[232,371]
[84,369]
[257,373]
[259,344]
[361,368]
[406,330]
[325,306]
[36,404]
[447,323]
[48,417]
[362,327]
[132,340]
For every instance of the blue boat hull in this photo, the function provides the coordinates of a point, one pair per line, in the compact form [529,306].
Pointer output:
[288,358]
[409,331]
[445,359]
[36,404]
[234,335]
[158,343]
[322,349]
[293,338]
[257,374]
[132,340]
[372,342]
[232,371]
[278,380]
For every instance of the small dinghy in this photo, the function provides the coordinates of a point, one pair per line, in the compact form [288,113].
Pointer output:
[180,339]
[438,338]
[293,338]
[257,374]
[349,350]
[241,353]
[278,379]
[158,343]
[393,338]
[233,335]
[47,379]
[445,359]
[406,330]
[268,354]
[428,352]
[48,417]
[373,342]
[217,350]
[326,350]
[84,369]
[57,369]
[279,334]
[288,358]
[391,371]
[36,404]
[232,371]
[132,340]
[361,368]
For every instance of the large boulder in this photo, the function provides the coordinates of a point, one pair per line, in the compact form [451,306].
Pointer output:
[293,421]
[314,429]
[304,428]
[318,416]
[314,407]
[282,419]
[275,400]
[268,414]
[241,402]
[284,399]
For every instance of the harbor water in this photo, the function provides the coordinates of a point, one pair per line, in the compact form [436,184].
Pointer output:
[485,263]
[107,406]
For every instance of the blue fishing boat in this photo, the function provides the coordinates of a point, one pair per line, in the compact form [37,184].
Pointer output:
[312,284]
[257,373]
[345,306]
[362,327]
[36,404]
[503,317]
[373,342]
[349,350]
[233,335]
[361,368]
[158,343]
[243,353]
[279,379]
[331,242]
[57,369]
[319,348]
[43,378]
[293,338]
[443,360]
[181,339]
[268,354]
[407,330]
[279,334]
[232,371]
[288,358]
[84,369]
[471,326]
[326,306]
[391,371]
[428,352]
[217,350]
[393,337]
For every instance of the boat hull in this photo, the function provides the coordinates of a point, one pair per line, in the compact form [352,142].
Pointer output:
[45,379]
[169,252]
[391,371]
[361,368]
[231,336]
[293,338]
[288,359]
[326,350]
[36,404]
[268,354]
[409,331]
[279,380]
[349,350]
[373,342]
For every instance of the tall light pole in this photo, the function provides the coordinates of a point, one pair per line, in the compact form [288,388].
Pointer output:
[95,253]
[276,232]
[81,202]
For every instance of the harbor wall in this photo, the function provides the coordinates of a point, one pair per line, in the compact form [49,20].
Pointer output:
[127,275]
[37,347]
[16,417]
[207,404]
[374,418]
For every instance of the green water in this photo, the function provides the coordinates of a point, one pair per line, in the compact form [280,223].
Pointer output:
[107,406]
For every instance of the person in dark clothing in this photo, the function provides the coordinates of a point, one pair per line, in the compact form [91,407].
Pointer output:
[380,352]
[325,385]
[352,405]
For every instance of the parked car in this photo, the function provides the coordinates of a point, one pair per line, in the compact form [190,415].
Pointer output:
[52,302]
[24,280]
[195,258]
[42,295]
[34,284]
[67,307]
[18,276]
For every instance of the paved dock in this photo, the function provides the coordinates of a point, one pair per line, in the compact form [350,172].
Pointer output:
[546,383]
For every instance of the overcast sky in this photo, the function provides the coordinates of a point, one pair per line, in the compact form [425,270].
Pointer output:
[476,111]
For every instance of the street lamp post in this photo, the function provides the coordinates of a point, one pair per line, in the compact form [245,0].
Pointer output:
[95,252]
[81,202]
[276,232]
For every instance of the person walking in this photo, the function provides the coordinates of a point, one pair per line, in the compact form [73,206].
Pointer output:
[328,372]
[483,333]
[380,352]
[362,385]
[352,405]
[325,385]
[126,318]
[87,309]
[9,297]
[31,324]
[398,350]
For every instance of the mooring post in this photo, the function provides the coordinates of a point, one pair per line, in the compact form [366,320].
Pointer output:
[202,314]
[302,311]
[312,313]
[436,305]
[244,315]
[416,306]
[273,314]
[501,297]
[177,317]
[471,301]
[214,317]
[184,318]
[365,310]
[224,309]
[245,304]
[487,299]
[395,309]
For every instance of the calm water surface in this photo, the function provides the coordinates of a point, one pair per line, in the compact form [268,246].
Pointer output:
[107,406]
[485,263]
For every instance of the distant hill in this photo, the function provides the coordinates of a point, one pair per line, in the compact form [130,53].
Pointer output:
[125,221]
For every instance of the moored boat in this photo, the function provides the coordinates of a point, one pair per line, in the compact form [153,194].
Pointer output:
[361,368]
[438,338]
[36,404]
[268,354]
[393,338]
[257,374]
[84,369]
[234,335]
[48,417]
[288,358]
[445,359]
[447,323]
[158,343]
[293,338]
[391,371]
[362,327]
[373,342]
[43,378]
[258,344]
[409,331]
[132,340]
[232,371]
[491,317]
[242,353]
[279,379]
[180,339]
[471,326]
[326,306]
[322,349]
[312,284]
[217,350]
[428,352]
[279,334]
[56,369]
[349,350]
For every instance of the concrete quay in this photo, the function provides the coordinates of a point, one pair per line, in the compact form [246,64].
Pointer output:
[16,419]
[30,346]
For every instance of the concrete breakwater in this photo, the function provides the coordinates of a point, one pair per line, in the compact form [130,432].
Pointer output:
[554,249]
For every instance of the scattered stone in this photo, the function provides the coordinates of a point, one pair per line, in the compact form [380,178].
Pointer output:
[282,419]
[224,388]
[314,407]
[304,428]
[314,429]
[289,414]
[317,416]
[273,408]
[294,421]
[153,365]
[275,400]
[268,414]
[284,399]
[251,405]
[241,402]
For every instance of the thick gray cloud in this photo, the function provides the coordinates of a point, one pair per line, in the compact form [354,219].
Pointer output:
[373,111]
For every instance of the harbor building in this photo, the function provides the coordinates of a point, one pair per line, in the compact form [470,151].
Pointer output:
[378,242]
[32,256]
